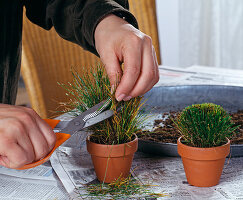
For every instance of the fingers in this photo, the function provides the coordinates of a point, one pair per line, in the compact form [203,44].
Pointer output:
[112,67]
[30,136]
[132,68]
[48,133]
[37,138]
[15,157]
[22,118]
[134,48]
[43,128]
[15,148]
[157,77]
[150,73]
[140,74]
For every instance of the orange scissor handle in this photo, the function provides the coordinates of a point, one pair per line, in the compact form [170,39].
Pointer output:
[61,138]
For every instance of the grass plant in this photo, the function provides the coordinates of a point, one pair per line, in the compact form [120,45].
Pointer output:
[90,88]
[205,125]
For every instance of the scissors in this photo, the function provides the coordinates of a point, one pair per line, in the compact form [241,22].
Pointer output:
[86,119]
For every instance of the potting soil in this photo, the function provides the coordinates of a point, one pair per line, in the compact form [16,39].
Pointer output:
[164,130]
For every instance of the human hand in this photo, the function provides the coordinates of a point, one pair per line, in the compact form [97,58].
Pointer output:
[25,137]
[117,41]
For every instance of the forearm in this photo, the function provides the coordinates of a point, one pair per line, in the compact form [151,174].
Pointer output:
[76,20]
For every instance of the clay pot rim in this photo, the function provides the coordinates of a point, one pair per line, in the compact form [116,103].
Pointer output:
[202,148]
[117,145]
[105,150]
[198,153]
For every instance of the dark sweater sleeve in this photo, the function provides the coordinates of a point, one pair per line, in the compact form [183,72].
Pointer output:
[76,20]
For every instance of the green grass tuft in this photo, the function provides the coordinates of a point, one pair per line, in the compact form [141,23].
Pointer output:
[205,125]
[88,89]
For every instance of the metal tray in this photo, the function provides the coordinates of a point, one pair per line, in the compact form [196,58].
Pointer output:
[175,98]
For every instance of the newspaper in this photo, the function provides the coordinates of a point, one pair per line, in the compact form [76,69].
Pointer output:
[169,174]
[74,168]
[38,183]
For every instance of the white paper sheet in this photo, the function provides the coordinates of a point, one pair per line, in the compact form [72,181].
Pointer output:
[32,184]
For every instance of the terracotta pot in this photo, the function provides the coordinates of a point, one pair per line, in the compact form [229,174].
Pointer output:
[112,161]
[203,166]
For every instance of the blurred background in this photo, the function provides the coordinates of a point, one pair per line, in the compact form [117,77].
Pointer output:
[184,33]
[201,32]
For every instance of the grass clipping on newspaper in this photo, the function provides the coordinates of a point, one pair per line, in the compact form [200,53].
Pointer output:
[122,188]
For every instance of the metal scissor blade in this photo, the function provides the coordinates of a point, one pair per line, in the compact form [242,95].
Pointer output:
[101,117]
[78,123]
[61,125]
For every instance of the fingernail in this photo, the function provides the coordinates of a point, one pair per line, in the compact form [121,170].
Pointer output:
[121,97]
[112,89]
[127,98]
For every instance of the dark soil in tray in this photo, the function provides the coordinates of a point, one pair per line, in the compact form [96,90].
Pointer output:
[238,120]
[165,131]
